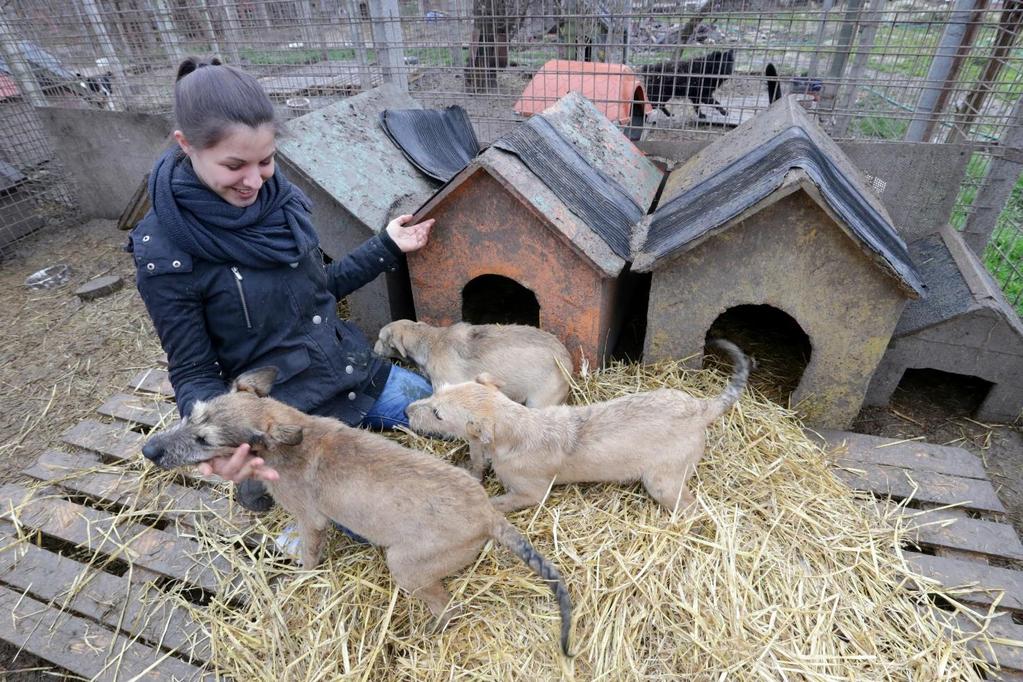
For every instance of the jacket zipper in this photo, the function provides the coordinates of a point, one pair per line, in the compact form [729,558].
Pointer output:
[241,294]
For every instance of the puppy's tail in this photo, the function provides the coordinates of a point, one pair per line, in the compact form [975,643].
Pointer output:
[773,86]
[507,535]
[740,374]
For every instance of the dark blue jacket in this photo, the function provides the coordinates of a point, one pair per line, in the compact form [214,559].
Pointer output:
[217,320]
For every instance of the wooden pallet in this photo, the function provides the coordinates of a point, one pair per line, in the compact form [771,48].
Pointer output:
[96,619]
[969,547]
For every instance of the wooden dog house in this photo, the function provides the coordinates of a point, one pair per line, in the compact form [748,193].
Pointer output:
[963,327]
[509,248]
[772,223]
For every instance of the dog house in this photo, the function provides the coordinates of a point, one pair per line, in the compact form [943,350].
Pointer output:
[964,328]
[536,230]
[770,228]
[614,89]
[358,180]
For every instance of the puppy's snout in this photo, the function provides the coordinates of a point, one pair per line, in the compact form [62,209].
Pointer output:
[153,452]
[378,347]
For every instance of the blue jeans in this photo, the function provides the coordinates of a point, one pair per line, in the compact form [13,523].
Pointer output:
[402,387]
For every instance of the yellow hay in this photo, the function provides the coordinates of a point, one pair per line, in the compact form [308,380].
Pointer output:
[781,572]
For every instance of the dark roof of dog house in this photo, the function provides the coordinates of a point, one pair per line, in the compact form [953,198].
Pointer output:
[439,142]
[768,156]
[956,283]
[556,165]
[343,149]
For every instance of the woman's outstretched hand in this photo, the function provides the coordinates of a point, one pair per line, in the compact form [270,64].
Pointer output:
[237,467]
[409,237]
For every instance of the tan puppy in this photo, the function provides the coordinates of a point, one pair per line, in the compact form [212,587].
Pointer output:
[656,437]
[524,359]
[430,517]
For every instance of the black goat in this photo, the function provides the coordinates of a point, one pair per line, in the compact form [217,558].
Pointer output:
[694,79]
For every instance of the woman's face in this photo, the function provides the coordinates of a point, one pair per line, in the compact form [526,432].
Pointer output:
[237,166]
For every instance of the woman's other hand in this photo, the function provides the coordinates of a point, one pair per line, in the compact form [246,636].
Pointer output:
[409,237]
[237,467]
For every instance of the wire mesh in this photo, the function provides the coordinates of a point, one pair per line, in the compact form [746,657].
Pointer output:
[917,70]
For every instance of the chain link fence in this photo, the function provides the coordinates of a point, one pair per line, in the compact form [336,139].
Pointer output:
[915,70]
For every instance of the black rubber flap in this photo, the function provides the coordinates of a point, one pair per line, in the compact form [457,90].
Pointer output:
[596,199]
[717,200]
[439,142]
[947,292]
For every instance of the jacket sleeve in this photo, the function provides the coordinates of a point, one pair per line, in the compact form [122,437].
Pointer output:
[361,266]
[175,307]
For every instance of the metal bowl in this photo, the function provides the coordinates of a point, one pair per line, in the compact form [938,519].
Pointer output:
[48,278]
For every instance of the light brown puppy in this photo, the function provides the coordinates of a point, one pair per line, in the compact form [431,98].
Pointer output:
[656,437]
[524,359]
[430,517]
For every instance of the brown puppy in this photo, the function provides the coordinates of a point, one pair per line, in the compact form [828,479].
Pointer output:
[430,517]
[529,362]
[656,437]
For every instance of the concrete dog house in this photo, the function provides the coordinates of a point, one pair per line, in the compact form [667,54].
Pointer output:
[963,327]
[507,248]
[773,218]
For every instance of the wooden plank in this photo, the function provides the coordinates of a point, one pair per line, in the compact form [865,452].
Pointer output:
[923,486]
[83,647]
[153,381]
[118,441]
[986,582]
[113,600]
[1007,649]
[140,409]
[152,549]
[945,528]
[916,455]
[123,486]
[114,440]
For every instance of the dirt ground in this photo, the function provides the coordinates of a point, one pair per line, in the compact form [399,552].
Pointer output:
[60,358]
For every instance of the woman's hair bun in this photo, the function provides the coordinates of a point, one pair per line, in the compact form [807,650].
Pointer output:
[190,64]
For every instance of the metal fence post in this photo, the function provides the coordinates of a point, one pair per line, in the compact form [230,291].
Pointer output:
[120,94]
[358,43]
[204,11]
[166,29]
[941,66]
[844,44]
[996,188]
[866,44]
[389,41]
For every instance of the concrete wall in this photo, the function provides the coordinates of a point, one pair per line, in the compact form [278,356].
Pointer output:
[482,229]
[106,153]
[790,256]
[921,180]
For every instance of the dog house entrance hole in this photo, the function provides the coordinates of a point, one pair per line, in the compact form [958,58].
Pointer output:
[775,340]
[493,299]
[931,394]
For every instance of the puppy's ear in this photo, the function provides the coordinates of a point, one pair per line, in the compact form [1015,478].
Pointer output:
[256,440]
[488,379]
[286,434]
[258,381]
[481,428]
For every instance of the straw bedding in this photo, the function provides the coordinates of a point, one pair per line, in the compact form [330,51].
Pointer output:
[782,573]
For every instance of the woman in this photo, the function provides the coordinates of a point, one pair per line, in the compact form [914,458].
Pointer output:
[228,266]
